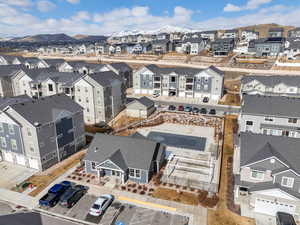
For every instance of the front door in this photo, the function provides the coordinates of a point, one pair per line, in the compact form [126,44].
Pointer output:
[115,173]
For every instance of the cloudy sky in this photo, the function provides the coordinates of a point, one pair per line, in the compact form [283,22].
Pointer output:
[23,17]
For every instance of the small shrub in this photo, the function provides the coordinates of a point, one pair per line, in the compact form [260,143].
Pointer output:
[145,188]
[184,188]
[139,187]
[79,178]
[123,188]
[74,177]
[171,185]
[128,189]
[142,192]
[133,185]
[134,190]
[88,175]
[151,190]
[88,181]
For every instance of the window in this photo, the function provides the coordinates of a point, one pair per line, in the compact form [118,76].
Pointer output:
[292,120]
[31,148]
[50,87]
[87,109]
[269,119]
[13,143]
[87,100]
[93,164]
[173,79]
[11,129]
[287,182]
[28,132]
[1,127]
[3,142]
[137,173]
[131,172]
[86,89]
[257,175]
[249,123]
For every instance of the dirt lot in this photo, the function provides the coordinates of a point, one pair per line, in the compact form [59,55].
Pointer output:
[42,180]
[222,215]
[231,99]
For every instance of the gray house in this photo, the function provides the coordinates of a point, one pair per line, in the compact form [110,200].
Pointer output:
[294,33]
[273,85]
[222,46]
[267,46]
[276,32]
[141,108]
[123,70]
[161,46]
[270,115]
[40,133]
[124,158]
[267,175]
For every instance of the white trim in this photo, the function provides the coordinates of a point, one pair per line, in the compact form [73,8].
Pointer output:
[278,189]
[289,169]
[247,165]
[254,178]
[108,160]
[288,179]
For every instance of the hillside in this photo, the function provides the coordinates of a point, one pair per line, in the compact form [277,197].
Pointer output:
[263,29]
[44,38]
[91,38]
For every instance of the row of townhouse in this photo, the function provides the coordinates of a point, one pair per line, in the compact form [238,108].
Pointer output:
[180,82]
[38,133]
[266,155]
[101,94]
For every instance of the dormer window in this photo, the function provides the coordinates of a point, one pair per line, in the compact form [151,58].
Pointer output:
[257,175]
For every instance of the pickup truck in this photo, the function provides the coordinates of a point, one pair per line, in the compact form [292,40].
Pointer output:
[54,193]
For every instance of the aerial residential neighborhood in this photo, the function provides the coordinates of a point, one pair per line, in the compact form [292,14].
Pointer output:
[147,113]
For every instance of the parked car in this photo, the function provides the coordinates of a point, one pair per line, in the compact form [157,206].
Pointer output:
[188,109]
[172,107]
[54,193]
[155,95]
[72,196]
[203,111]
[205,99]
[101,204]
[180,108]
[212,112]
[195,110]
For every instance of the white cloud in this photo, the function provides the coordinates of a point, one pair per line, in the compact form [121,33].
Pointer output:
[20,3]
[73,1]
[82,15]
[250,5]
[45,6]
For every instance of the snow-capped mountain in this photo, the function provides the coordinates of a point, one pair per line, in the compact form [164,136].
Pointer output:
[165,29]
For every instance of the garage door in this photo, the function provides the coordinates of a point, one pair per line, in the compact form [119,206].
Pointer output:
[8,156]
[21,160]
[33,163]
[271,207]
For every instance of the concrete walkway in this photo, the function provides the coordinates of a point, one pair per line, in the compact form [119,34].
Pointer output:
[197,214]
[18,198]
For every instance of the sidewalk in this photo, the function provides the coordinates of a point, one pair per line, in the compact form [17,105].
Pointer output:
[197,214]
[17,198]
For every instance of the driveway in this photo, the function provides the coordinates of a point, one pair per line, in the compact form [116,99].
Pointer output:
[12,174]
[262,219]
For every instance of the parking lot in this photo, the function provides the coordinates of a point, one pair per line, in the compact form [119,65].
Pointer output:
[119,212]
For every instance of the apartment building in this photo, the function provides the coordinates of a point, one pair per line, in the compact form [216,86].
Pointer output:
[102,95]
[270,115]
[180,82]
[39,133]
[272,85]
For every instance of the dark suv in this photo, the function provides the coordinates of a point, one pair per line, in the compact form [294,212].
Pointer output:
[72,195]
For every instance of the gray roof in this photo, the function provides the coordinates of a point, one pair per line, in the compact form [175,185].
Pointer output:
[122,66]
[255,147]
[148,103]
[271,105]
[46,109]
[294,43]
[106,78]
[273,80]
[193,40]
[224,40]
[59,77]
[10,70]
[54,62]
[271,40]
[178,70]
[34,73]
[125,152]
[276,29]
[4,102]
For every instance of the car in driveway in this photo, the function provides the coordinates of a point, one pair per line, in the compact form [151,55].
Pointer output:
[180,108]
[205,99]
[72,196]
[212,112]
[203,111]
[188,109]
[172,107]
[155,95]
[54,194]
[101,204]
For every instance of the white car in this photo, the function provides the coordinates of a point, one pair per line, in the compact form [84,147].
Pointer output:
[155,95]
[101,204]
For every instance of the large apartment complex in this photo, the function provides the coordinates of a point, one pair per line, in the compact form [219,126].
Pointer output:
[38,133]
[180,82]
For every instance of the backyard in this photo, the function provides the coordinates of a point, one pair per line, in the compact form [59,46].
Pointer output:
[222,215]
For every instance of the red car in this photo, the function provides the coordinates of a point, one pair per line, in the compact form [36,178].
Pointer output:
[180,108]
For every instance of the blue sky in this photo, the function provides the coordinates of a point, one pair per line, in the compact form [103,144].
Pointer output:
[23,17]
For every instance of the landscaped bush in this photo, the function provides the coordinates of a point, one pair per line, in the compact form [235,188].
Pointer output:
[88,181]
[151,190]
[142,192]
[140,187]
[134,190]
[171,185]
[123,188]
[145,188]
[128,189]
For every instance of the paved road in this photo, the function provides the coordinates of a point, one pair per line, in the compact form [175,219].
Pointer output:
[228,69]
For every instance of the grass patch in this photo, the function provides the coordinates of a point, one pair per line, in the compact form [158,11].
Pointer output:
[173,195]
